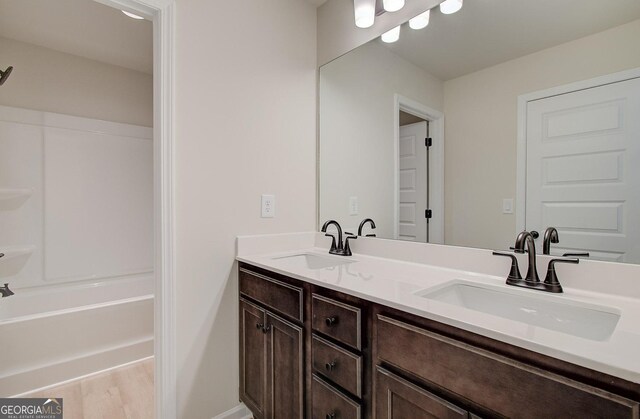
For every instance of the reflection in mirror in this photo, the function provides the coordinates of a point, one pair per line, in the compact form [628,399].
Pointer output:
[532,110]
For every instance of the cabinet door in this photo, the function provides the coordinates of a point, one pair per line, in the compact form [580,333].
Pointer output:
[284,369]
[397,398]
[253,377]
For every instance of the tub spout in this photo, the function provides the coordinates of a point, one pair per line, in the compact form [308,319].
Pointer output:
[5,291]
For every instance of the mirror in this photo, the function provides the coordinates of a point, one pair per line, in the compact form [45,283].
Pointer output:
[532,110]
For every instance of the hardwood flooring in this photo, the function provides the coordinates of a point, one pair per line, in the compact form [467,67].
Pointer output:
[122,393]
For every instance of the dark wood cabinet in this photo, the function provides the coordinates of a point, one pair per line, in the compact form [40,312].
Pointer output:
[271,364]
[284,369]
[397,398]
[314,353]
[253,366]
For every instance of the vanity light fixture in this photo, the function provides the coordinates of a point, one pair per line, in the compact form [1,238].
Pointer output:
[420,21]
[450,6]
[132,15]
[391,36]
[364,12]
[392,5]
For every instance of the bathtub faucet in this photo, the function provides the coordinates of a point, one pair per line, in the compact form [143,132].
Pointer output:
[5,291]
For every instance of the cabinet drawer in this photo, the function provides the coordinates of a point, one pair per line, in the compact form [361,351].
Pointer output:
[329,403]
[276,295]
[506,386]
[338,365]
[398,398]
[338,320]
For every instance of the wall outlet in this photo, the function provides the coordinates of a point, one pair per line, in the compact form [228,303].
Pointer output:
[268,206]
[353,205]
[507,206]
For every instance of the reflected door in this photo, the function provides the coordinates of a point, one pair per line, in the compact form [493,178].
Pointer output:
[581,177]
[413,183]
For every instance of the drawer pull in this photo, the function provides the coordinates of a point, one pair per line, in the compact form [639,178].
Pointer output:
[331,415]
[330,366]
[331,321]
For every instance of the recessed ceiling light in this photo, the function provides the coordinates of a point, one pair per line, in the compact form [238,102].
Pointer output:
[131,15]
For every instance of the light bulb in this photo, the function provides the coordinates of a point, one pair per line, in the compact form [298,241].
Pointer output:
[364,12]
[131,15]
[420,21]
[392,5]
[450,6]
[391,36]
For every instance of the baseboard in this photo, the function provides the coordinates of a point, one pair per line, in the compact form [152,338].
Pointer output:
[46,376]
[239,412]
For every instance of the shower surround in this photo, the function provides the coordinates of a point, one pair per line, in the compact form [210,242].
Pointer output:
[76,230]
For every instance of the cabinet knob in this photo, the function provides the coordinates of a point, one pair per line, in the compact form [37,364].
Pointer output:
[330,365]
[259,325]
[266,328]
[331,415]
[331,321]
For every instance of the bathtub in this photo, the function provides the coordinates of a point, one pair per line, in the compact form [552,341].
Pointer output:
[49,335]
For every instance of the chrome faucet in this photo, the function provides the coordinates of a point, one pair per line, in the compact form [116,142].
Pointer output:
[337,248]
[525,238]
[5,291]
[363,223]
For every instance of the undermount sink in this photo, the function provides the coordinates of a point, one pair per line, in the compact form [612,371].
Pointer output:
[313,261]
[571,317]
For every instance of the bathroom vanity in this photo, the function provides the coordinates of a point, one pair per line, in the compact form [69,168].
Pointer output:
[330,337]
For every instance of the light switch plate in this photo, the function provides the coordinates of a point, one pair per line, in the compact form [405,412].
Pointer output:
[507,206]
[268,206]
[353,205]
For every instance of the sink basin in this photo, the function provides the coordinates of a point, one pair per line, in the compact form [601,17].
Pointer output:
[571,317]
[312,261]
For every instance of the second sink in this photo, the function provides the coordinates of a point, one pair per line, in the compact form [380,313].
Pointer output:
[567,316]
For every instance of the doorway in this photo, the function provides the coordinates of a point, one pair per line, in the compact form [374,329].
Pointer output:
[419,172]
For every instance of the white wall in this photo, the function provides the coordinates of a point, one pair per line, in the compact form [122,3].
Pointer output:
[481,127]
[52,81]
[357,129]
[246,103]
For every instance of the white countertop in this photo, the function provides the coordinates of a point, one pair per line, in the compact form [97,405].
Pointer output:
[399,284]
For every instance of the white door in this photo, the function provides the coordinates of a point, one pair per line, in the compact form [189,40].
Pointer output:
[583,175]
[413,179]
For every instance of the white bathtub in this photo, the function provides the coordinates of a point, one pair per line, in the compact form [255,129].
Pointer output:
[54,334]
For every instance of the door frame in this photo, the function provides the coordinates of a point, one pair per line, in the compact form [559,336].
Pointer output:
[162,14]
[436,163]
[523,100]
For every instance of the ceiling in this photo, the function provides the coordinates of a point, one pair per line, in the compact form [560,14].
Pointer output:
[487,32]
[80,27]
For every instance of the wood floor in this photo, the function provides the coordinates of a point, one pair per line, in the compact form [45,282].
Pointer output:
[125,392]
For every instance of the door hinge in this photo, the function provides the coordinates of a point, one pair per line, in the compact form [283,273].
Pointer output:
[428,213]
[428,142]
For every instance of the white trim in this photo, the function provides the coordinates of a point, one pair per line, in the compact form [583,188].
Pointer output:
[436,164]
[523,100]
[162,13]
[239,412]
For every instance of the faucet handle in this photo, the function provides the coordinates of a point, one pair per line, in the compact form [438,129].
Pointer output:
[551,279]
[333,242]
[347,248]
[514,273]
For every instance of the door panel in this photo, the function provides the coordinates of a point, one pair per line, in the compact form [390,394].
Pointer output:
[253,385]
[413,179]
[581,176]
[284,369]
